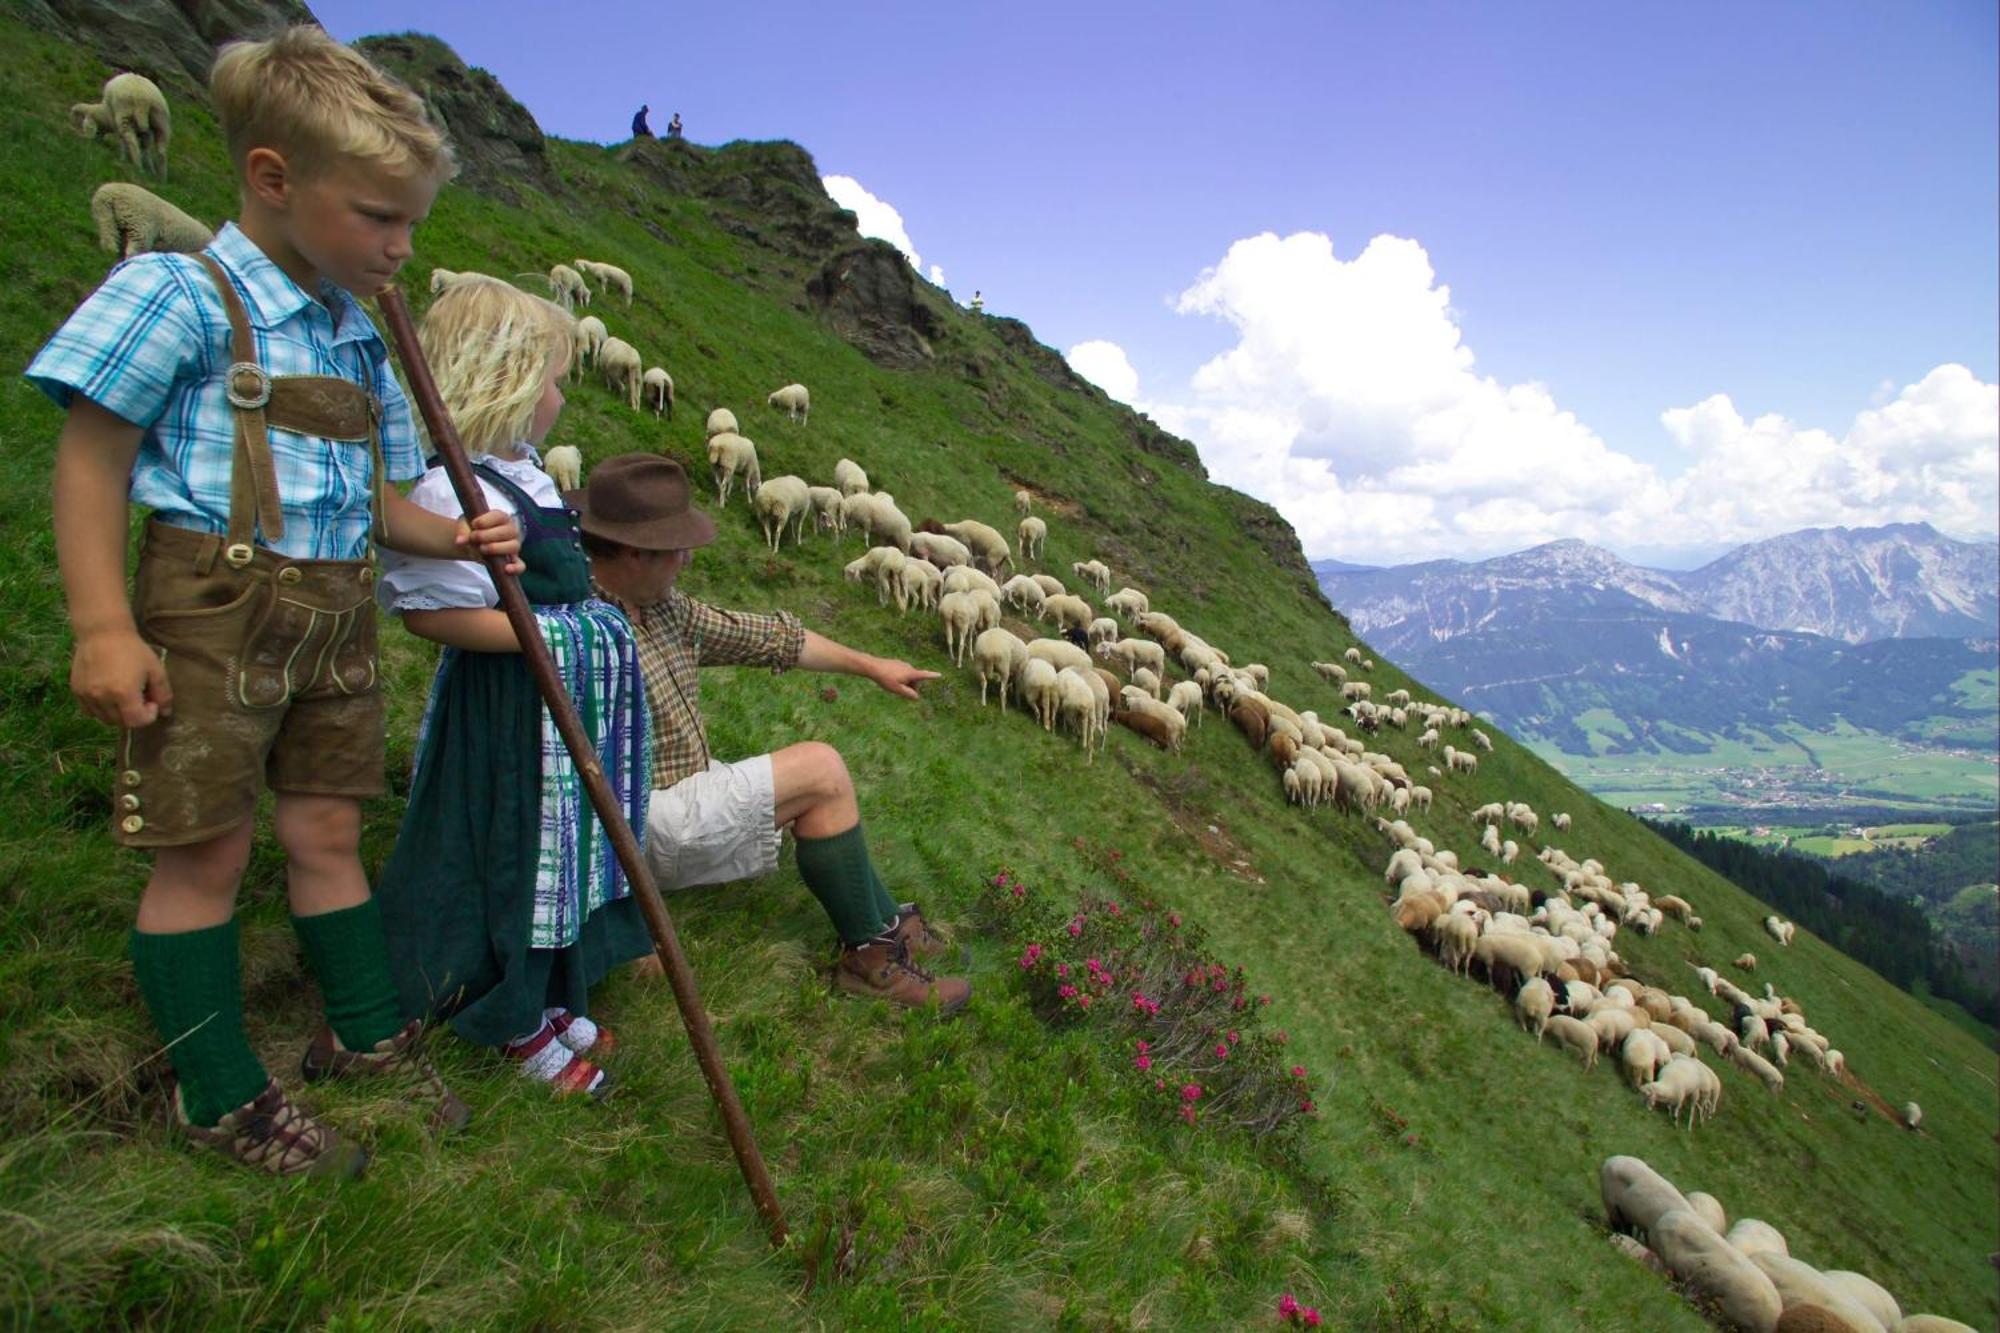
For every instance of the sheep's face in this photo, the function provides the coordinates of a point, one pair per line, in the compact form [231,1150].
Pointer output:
[86,119]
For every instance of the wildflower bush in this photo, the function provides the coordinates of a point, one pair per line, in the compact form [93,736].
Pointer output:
[1192,1028]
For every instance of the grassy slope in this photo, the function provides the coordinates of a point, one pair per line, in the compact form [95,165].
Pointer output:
[984,1173]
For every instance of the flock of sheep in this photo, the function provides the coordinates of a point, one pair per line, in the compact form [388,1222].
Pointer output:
[1744,1273]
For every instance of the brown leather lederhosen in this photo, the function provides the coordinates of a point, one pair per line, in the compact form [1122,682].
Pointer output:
[271,660]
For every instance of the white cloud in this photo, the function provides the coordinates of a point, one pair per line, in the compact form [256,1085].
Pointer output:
[877,218]
[1105,365]
[1352,403]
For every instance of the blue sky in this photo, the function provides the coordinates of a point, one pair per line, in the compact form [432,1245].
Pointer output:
[1636,211]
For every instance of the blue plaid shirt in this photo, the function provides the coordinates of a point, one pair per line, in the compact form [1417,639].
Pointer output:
[151,346]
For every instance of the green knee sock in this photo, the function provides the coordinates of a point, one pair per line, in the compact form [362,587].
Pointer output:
[351,959]
[193,984]
[841,876]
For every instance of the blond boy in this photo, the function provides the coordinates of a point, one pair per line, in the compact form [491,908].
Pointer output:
[244,397]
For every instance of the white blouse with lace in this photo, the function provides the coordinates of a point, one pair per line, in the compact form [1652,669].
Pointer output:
[416,583]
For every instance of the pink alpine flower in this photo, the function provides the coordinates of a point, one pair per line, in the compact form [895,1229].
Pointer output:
[1221,1050]
[1287,1305]
[1144,1046]
[1232,1037]
[1191,1092]
[1066,991]
[1020,889]
[1298,1071]
[1062,969]
[1188,1114]
[1083,1002]
[1075,927]
[1143,1062]
[1310,1316]
[1174,920]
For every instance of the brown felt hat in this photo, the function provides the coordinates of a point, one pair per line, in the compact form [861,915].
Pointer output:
[641,500]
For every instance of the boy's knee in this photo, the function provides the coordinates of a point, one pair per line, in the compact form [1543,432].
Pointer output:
[309,827]
[827,767]
[216,864]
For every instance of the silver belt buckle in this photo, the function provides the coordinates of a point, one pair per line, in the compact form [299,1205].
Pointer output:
[260,375]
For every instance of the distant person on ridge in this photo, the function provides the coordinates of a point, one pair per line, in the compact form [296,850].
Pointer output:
[640,129]
[978,303]
[711,822]
[674,126]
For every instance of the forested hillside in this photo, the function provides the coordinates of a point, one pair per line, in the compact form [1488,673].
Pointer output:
[1366,1131]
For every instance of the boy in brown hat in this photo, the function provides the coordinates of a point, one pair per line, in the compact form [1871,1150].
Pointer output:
[711,822]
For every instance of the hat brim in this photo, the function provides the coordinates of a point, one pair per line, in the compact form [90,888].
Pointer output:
[672,532]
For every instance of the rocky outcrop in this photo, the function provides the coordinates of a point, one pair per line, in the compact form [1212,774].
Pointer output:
[499,146]
[869,295]
[170,41]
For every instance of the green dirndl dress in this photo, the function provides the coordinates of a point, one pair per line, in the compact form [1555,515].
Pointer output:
[495,905]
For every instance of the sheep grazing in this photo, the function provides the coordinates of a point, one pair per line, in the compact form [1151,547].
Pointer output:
[566,287]
[1185,699]
[1332,672]
[1076,706]
[1800,1285]
[1913,1115]
[1534,1005]
[997,654]
[622,368]
[133,111]
[610,278]
[1561,820]
[827,512]
[131,221]
[729,455]
[941,549]
[793,400]
[1069,612]
[658,388]
[1094,572]
[965,614]
[564,464]
[847,475]
[722,421]
[1746,962]
[1037,688]
[1779,929]
[1714,1271]
[1033,534]
[882,520]
[1573,1035]
[1023,501]
[588,339]
[778,502]
[985,543]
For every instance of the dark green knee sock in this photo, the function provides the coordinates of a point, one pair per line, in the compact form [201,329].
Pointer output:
[841,875]
[193,984]
[350,957]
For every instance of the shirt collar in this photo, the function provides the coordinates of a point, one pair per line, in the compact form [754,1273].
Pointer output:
[271,297]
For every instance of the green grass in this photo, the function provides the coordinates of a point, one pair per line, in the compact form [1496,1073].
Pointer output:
[996,1172]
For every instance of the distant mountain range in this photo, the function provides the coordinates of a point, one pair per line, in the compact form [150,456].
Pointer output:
[1873,625]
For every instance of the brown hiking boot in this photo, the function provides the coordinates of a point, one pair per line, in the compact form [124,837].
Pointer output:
[882,968]
[399,1059]
[270,1133]
[924,943]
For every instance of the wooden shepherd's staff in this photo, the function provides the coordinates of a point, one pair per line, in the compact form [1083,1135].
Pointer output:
[529,633]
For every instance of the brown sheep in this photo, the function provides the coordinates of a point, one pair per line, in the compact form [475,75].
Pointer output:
[1252,720]
[1155,729]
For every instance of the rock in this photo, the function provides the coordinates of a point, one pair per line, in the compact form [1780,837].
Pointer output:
[868,294]
[499,146]
[172,42]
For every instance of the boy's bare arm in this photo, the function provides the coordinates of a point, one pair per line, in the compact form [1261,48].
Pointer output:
[475,629]
[116,678]
[415,530]
[820,653]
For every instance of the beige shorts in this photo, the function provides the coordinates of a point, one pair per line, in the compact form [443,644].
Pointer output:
[714,827]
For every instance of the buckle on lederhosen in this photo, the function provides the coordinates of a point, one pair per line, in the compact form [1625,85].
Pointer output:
[259,377]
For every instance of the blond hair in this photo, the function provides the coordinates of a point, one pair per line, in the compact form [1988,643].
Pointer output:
[491,348]
[317,102]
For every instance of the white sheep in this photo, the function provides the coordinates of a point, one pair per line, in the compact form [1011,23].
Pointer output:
[985,543]
[623,370]
[1037,689]
[1076,705]
[1128,602]
[588,339]
[997,654]
[965,614]
[1185,698]
[1069,612]
[564,464]
[1023,594]
[1060,653]
[722,421]
[1715,1272]
[847,475]
[567,288]
[1099,632]
[964,578]
[1050,585]
[610,278]
[1145,679]
[794,399]
[1332,672]
[132,221]
[1135,653]
[1094,572]
[728,455]
[1023,501]
[659,390]
[133,111]
[826,508]
[940,549]
[1033,534]
[1561,820]
[1913,1115]
[1779,929]
[1574,1035]
[778,502]
[1534,1005]
[922,583]
[883,521]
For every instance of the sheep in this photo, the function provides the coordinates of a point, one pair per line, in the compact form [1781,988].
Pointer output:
[1561,820]
[964,578]
[620,364]
[1033,534]
[1462,760]
[1332,672]
[1479,738]
[564,464]
[1069,612]
[1746,962]
[1421,798]
[1866,1293]
[1534,1004]
[1136,653]
[1352,655]
[1800,1284]
[1709,1209]
[965,614]
[938,548]
[1099,632]
[1128,602]
[587,339]
[1636,1196]
[722,421]
[922,584]
[1676,1084]
[1507,955]
[1758,1065]
[1023,594]
[826,509]
[1489,840]
[883,521]
[1050,585]
[133,221]
[847,475]
[1145,679]
[1509,850]
[794,399]
[1714,1271]
[1023,501]
[1641,1054]
[610,278]
[729,454]
[1060,653]
[997,654]
[1457,933]
[781,501]
[131,109]
[1038,689]
[659,388]
[1913,1115]
[1185,698]
[888,570]
[985,543]
[567,287]
[1780,930]
[1076,704]
[1573,1035]
[1093,572]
